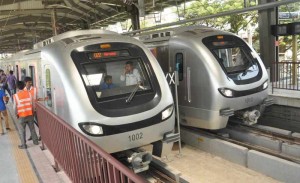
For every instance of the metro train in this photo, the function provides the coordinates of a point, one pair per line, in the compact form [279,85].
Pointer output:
[69,69]
[219,74]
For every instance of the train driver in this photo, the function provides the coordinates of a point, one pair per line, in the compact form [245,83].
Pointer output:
[131,75]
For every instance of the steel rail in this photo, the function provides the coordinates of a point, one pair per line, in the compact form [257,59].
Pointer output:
[160,176]
[266,133]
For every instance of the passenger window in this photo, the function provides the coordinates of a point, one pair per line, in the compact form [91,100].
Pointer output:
[179,65]
[17,72]
[23,74]
[48,88]
[32,74]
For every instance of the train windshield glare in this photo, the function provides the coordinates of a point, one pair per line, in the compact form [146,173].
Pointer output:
[237,63]
[116,78]
[234,56]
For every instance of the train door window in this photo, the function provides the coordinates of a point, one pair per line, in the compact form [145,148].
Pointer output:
[32,74]
[23,74]
[48,87]
[179,65]
[17,72]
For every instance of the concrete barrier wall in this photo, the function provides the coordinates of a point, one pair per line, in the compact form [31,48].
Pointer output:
[274,167]
[255,139]
[229,151]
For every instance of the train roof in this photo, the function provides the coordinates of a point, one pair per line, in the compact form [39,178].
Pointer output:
[166,34]
[74,36]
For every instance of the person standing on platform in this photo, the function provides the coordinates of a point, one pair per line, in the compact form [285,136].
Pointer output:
[11,82]
[33,91]
[3,81]
[24,111]
[3,99]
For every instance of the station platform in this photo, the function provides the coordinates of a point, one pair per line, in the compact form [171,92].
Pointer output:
[34,165]
[31,165]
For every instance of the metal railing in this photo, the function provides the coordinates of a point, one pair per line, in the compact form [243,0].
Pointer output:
[81,159]
[286,75]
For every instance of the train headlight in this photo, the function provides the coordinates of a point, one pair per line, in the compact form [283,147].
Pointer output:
[226,92]
[91,129]
[167,112]
[265,85]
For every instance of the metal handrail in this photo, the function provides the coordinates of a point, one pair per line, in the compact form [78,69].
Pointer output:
[286,75]
[81,159]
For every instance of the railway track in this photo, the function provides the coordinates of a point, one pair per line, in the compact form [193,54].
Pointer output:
[220,135]
[158,176]
[263,132]
[159,173]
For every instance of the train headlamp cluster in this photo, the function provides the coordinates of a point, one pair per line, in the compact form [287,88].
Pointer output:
[230,93]
[167,112]
[265,85]
[91,128]
[226,92]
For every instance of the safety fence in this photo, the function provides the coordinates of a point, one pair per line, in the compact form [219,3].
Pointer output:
[286,75]
[81,159]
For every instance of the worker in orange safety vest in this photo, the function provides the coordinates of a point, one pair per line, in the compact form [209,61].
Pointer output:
[33,92]
[24,111]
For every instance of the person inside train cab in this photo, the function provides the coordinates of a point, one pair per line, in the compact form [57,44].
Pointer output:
[23,107]
[131,75]
[108,83]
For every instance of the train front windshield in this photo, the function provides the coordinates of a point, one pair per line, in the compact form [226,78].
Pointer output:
[235,57]
[118,78]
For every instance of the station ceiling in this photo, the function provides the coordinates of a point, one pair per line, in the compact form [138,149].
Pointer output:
[25,22]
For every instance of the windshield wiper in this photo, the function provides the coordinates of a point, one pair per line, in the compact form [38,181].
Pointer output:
[128,100]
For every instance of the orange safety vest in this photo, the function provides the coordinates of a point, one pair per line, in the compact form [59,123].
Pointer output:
[33,92]
[23,103]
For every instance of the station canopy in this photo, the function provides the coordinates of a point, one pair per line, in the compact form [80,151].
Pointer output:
[25,22]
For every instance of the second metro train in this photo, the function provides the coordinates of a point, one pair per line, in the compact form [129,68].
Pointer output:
[219,74]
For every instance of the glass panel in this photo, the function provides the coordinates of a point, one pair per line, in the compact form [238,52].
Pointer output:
[179,65]
[17,72]
[235,57]
[32,74]
[108,79]
[23,74]
[237,62]
[48,88]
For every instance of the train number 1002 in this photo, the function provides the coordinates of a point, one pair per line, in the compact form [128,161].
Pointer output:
[135,137]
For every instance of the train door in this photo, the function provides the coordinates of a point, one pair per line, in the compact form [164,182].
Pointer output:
[32,74]
[17,72]
[48,86]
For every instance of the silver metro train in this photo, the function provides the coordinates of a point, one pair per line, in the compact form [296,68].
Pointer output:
[70,68]
[219,74]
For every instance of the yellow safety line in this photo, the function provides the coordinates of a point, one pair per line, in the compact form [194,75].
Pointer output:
[25,170]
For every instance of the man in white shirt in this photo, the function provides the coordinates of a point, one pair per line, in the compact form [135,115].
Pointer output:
[131,76]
